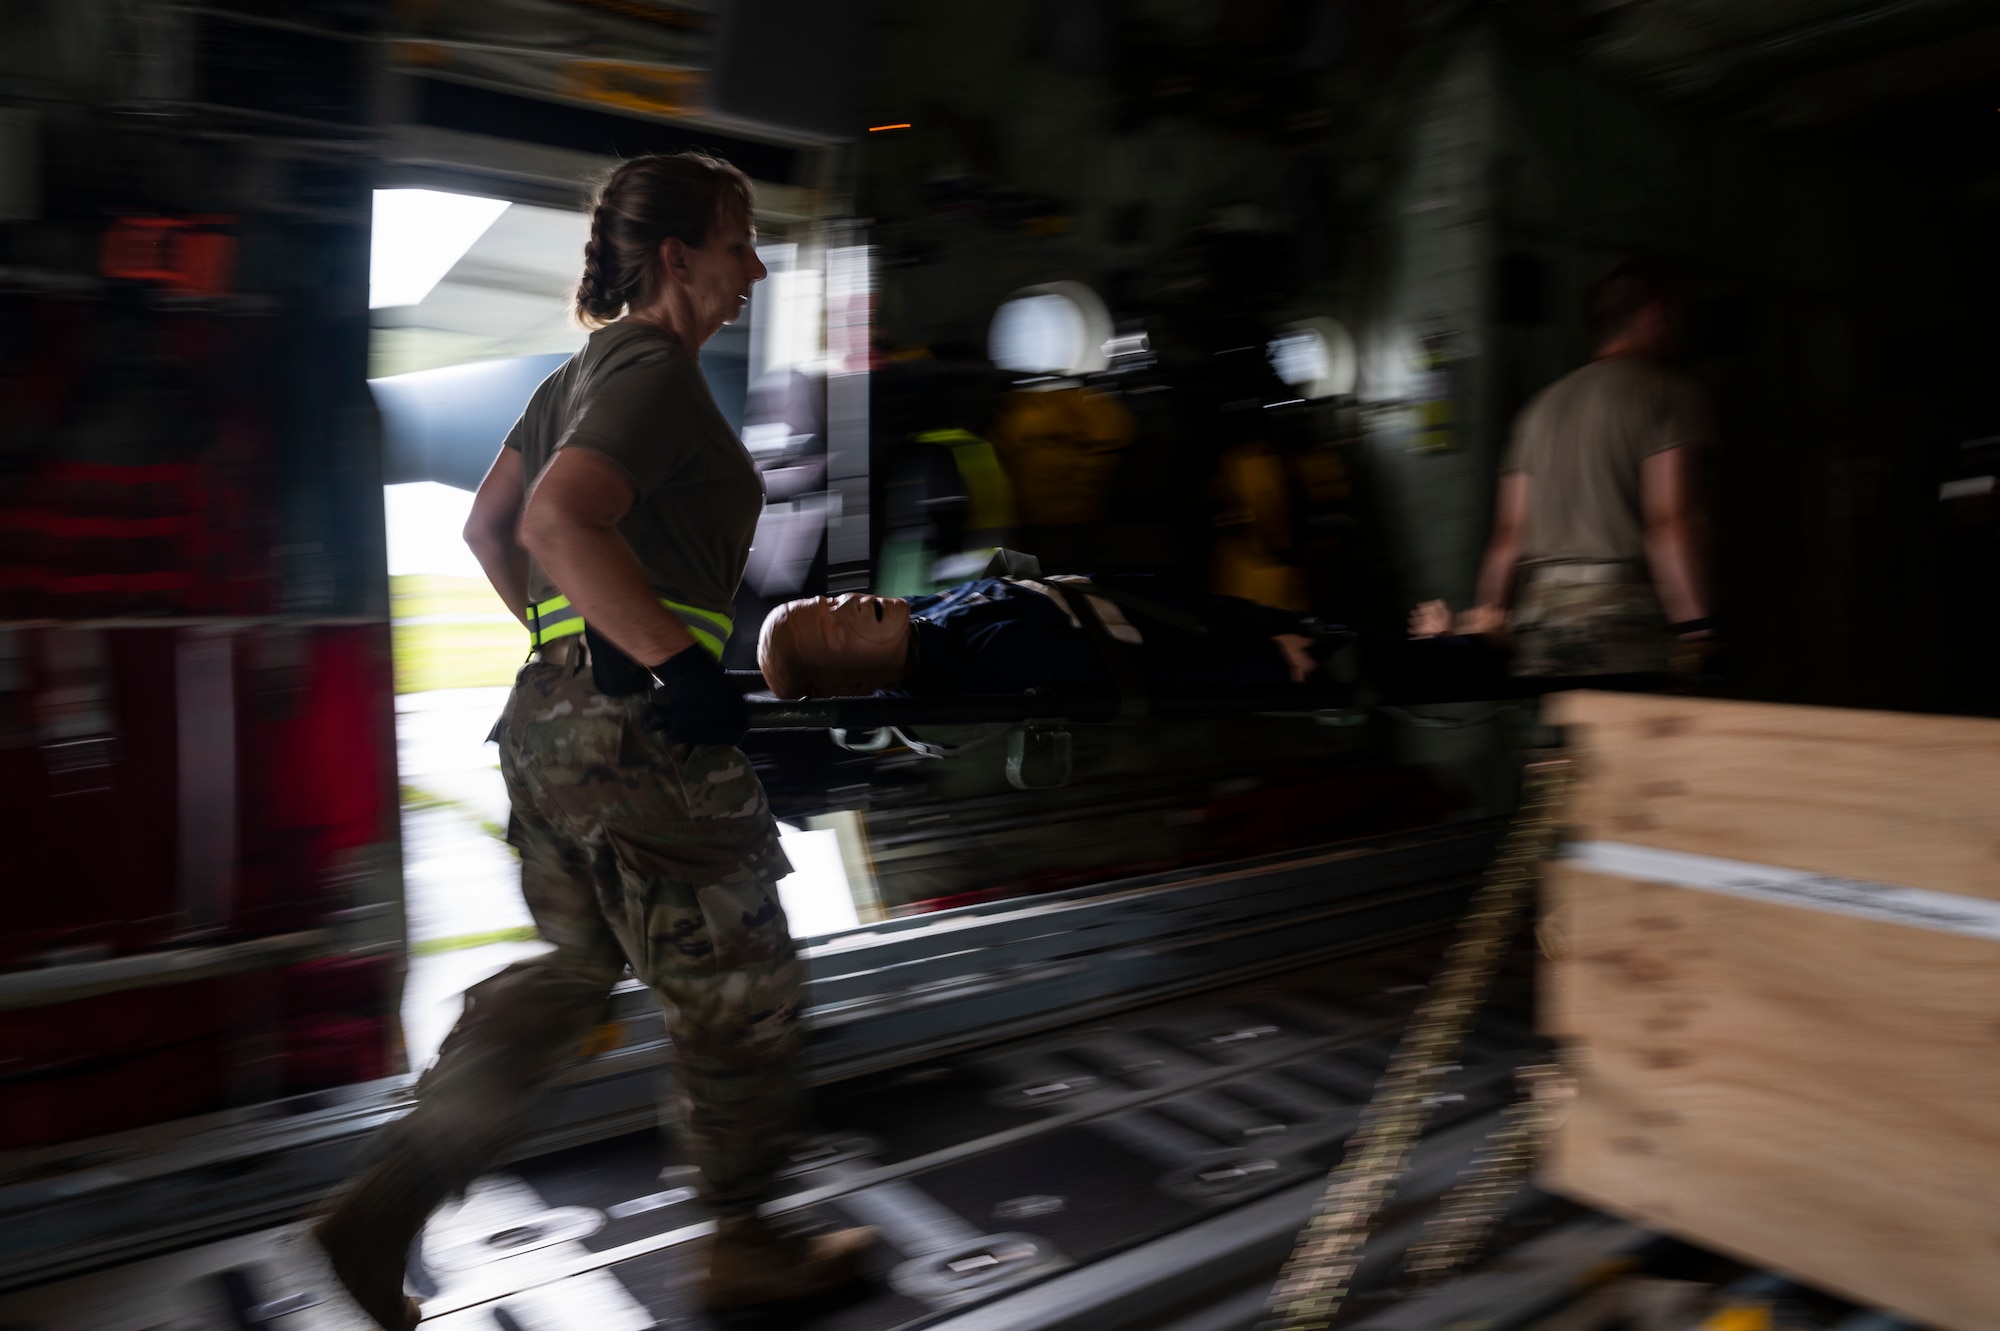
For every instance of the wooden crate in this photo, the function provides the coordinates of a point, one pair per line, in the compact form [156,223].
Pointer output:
[1799,1071]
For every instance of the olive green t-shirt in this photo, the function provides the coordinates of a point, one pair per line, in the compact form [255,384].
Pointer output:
[634,395]
[1582,441]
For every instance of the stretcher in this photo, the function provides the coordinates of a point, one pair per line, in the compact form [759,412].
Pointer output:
[1036,729]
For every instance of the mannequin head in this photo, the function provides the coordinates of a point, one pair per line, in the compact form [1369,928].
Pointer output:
[835,646]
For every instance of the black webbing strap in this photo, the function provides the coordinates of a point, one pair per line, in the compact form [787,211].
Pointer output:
[1116,656]
[1124,600]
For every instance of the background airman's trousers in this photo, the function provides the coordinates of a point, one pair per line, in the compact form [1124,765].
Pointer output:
[633,851]
[1595,628]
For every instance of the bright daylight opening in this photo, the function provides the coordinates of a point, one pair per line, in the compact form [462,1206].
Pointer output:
[419,234]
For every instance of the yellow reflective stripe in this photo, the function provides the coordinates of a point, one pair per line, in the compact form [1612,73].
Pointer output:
[709,642]
[706,627]
[719,623]
[552,619]
[568,628]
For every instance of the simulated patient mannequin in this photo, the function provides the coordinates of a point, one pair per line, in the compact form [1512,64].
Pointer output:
[1008,635]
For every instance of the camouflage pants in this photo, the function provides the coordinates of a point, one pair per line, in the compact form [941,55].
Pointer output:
[637,852]
[1613,628]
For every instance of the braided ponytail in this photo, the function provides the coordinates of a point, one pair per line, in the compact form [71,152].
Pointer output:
[600,296]
[641,203]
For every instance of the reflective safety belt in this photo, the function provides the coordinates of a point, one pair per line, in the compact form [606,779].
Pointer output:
[557,618]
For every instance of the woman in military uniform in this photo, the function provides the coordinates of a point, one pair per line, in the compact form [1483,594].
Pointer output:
[616,521]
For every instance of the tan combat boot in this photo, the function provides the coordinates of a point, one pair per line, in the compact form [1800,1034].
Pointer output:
[750,1263]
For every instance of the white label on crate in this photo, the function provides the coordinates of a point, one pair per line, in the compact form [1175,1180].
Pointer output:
[1917,907]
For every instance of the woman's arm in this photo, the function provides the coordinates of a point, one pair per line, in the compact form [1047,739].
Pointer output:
[570,525]
[490,531]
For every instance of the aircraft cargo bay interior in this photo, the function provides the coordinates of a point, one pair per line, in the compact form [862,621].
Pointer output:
[1189,664]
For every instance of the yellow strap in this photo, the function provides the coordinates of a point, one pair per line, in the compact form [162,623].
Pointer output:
[556,618]
[989,492]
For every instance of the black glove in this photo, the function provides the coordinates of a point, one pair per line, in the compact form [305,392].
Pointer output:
[695,702]
[612,673]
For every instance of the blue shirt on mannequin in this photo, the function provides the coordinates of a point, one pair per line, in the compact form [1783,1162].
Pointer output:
[1009,635]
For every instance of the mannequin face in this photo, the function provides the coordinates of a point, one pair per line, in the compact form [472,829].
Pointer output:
[836,646]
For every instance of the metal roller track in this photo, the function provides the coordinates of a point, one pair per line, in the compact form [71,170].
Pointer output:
[881,997]
[987,1172]
[1146,1170]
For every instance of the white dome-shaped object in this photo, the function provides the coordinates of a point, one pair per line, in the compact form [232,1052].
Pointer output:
[1053,328]
[1316,357]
